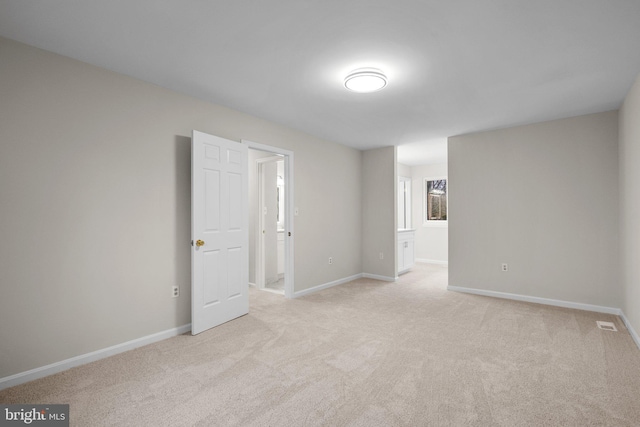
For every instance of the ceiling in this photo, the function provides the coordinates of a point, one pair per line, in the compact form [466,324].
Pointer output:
[453,67]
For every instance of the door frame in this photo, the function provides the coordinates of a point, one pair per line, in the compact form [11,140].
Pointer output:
[288,212]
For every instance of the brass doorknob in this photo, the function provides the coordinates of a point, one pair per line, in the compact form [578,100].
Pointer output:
[199,243]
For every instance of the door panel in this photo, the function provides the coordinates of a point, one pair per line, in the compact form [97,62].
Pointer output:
[235,279]
[212,201]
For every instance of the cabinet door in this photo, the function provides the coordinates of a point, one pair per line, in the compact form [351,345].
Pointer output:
[409,255]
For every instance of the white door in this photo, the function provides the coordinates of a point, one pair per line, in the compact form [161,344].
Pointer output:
[219,229]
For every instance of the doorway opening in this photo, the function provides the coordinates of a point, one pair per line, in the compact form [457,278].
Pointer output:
[270,274]
[271,218]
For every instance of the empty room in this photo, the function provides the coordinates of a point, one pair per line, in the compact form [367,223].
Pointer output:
[301,213]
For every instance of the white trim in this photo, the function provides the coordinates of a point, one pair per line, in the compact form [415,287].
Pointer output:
[556,303]
[253,285]
[317,288]
[632,331]
[63,365]
[436,224]
[432,261]
[44,371]
[342,281]
[378,277]
[269,159]
[406,197]
[538,300]
[289,252]
[273,291]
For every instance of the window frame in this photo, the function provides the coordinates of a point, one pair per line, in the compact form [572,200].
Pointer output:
[408,220]
[426,222]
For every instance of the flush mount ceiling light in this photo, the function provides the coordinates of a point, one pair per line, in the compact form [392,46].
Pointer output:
[365,80]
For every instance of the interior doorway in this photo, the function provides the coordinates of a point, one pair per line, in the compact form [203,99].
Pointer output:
[270,274]
[271,218]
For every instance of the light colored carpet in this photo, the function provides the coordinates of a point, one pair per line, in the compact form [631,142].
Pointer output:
[367,353]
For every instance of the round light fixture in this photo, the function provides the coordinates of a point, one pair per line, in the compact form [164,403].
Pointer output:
[365,80]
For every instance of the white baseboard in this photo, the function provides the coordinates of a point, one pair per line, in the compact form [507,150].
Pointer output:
[378,277]
[326,285]
[538,300]
[632,331]
[273,291]
[432,261]
[63,365]
[341,281]
[554,302]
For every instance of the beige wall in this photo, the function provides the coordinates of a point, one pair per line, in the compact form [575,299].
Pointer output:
[432,241]
[629,146]
[95,191]
[379,211]
[542,198]
[404,170]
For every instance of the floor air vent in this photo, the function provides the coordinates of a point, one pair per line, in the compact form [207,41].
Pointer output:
[607,326]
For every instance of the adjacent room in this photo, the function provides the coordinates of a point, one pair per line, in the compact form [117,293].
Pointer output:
[318,213]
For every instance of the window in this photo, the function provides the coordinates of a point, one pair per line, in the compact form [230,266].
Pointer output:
[404,203]
[435,201]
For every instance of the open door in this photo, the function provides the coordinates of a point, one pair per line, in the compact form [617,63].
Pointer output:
[219,229]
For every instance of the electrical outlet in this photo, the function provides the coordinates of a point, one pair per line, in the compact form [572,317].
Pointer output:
[175,291]
[505,267]
[330,260]
[381,255]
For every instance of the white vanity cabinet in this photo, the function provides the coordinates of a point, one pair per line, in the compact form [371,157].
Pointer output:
[406,253]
